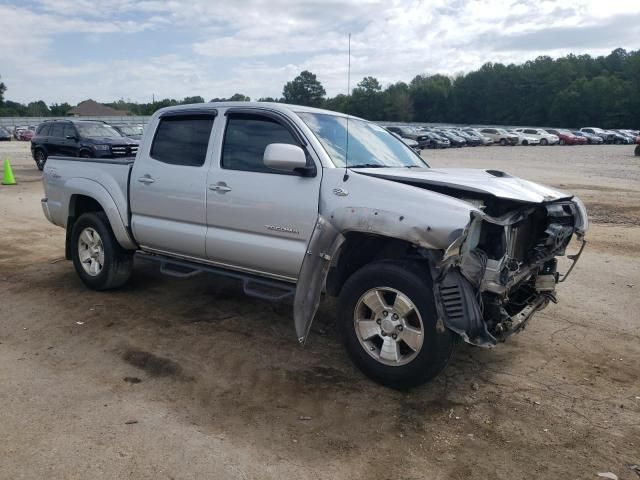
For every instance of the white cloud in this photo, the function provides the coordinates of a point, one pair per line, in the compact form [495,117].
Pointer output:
[255,46]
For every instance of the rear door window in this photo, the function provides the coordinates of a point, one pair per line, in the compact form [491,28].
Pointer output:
[182,139]
[44,130]
[56,130]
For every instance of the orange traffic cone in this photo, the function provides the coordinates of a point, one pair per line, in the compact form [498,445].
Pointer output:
[8,178]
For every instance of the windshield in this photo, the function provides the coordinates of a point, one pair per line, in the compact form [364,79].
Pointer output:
[369,144]
[96,130]
[502,131]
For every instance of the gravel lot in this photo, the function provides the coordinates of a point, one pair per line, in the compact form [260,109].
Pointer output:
[188,378]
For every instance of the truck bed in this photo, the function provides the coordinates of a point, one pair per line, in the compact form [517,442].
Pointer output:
[64,177]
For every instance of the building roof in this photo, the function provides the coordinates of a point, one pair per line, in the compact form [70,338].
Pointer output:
[91,108]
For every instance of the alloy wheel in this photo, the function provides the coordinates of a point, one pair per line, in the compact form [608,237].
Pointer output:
[388,326]
[91,251]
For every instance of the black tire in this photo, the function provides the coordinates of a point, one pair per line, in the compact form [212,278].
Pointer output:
[562,142]
[503,141]
[414,283]
[524,142]
[84,154]
[617,141]
[40,156]
[637,151]
[117,262]
[544,141]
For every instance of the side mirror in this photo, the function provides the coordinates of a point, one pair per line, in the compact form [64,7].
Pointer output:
[288,158]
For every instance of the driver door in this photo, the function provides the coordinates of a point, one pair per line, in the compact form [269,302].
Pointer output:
[259,219]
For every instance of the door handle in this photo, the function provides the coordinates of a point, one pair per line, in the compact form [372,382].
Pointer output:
[220,187]
[146,180]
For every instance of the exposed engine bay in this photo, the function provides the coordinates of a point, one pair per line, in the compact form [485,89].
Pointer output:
[502,268]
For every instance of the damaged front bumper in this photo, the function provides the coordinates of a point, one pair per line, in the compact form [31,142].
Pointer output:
[502,270]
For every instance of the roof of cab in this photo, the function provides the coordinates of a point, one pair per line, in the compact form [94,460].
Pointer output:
[282,107]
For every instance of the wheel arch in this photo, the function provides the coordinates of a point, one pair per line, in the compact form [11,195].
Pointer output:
[89,196]
[325,250]
[39,146]
[359,249]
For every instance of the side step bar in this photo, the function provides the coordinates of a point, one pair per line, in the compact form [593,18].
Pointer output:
[252,285]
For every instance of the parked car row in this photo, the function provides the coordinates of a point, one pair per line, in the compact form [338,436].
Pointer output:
[5,135]
[445,137]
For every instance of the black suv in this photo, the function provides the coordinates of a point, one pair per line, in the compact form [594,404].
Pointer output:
[79,138]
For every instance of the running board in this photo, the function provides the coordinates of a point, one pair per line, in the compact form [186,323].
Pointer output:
[254,286]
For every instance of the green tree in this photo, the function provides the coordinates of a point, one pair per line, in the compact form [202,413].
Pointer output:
[190,100]
[38,109]
[397,103]
[430,97]
[305,89]
[339,103]
[367,99]
[59,110]
[239,97]
[3,89]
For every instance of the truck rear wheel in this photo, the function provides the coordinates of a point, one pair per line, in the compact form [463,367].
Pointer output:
[99,260]
[388,323]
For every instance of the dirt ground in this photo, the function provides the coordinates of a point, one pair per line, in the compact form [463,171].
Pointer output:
[186,379]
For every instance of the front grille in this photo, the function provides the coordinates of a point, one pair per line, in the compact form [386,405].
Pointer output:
[124,150]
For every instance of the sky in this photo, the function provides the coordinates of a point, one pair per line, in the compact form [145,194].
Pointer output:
[71,50]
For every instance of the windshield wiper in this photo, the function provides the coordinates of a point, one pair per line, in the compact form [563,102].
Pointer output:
[367,165]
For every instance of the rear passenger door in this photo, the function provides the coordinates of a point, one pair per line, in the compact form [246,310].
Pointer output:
[260,219]
[168,185]
[42,136]
[69,141]
[54,141]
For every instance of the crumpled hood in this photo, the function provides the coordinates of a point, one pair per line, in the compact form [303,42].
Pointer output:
[492,182]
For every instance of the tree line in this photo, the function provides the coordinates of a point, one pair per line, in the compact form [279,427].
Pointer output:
[572,91]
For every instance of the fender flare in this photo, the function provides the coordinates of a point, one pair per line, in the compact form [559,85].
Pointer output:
[92,189]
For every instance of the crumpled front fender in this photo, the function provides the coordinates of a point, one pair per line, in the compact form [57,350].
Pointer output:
[325,242]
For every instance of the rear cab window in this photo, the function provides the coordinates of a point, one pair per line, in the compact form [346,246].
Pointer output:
[182,139]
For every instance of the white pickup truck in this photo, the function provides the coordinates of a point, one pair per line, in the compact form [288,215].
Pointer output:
[296,201]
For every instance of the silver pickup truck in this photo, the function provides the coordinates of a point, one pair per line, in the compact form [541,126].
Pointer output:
[297,202]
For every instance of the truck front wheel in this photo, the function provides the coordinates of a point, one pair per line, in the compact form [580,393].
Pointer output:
[388,322]
[99,260]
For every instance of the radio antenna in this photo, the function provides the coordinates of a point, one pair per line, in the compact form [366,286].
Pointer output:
[346,151]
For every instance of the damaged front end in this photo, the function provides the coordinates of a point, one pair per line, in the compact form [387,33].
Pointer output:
[503,268]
